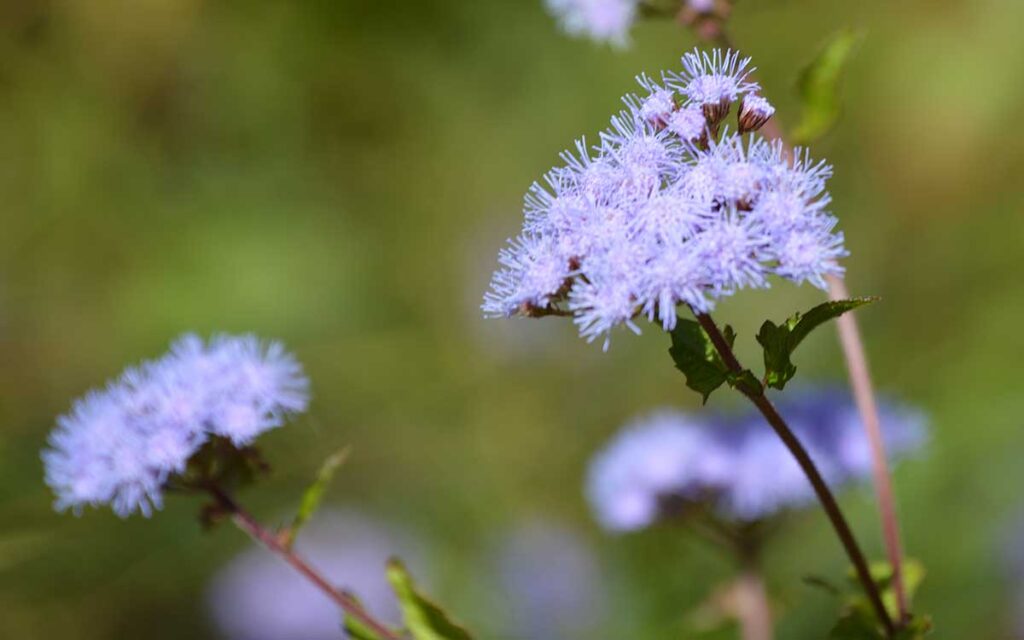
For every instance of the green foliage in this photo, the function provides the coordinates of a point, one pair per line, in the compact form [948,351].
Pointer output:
[780,341]
[312,496]
[424,619]
[695,355]
[358,631]
[819,87]
[355,629]
[858,621]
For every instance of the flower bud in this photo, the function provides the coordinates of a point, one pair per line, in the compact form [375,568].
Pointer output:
[715,112]
[754,112]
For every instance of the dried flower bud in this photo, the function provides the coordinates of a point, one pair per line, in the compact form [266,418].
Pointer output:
[754,112]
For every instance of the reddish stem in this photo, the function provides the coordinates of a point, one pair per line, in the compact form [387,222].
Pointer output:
[347,603]
[860,381]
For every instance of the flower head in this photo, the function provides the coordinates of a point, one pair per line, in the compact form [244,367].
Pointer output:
[600,20]
[549,581]
[120,445]
[713,81]
[664,211]
[662,464]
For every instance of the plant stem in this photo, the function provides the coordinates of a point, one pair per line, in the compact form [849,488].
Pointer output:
[860,382]
[863,394]
[828,501]
[751,606]
[245,521]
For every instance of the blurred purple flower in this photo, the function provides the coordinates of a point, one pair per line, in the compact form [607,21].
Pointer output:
[258,597]
[736,464]
[600,20]
[119,445]
[550,582]
[662,213]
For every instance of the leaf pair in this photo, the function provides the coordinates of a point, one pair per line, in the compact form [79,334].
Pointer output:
[780,341]
[424,619]
[695,354]
[858,620]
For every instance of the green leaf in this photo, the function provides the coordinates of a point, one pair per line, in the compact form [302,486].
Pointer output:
[856,624]
[746,382]
[312,496]
[695,355]
[819,87]
[424,619]
[780,341]
[823,584]
[354,628]
[916,628]
[881,572]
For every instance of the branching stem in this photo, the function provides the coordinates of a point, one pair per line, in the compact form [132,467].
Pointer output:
[828,501]
[247,523]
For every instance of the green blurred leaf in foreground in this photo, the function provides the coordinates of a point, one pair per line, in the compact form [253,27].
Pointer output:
[819,87]
[424,619]
[313,495]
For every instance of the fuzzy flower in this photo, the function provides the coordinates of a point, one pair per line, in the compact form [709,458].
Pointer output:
[713,81]
[600,20]
[669,209]
[666,462]
[120,445]
[258,597]
[549,582]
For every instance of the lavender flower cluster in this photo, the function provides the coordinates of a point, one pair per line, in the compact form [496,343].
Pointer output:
[600,20]
[119,445]
[736,465]
[607,20]
[665,211]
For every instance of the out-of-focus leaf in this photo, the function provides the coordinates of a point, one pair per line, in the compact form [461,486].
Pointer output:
[313,495]
[779,341]
[856,624]
[356,630]
[822,584]
[424,619]
[819,87]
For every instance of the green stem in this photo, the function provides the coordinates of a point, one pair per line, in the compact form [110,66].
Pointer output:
[803,458]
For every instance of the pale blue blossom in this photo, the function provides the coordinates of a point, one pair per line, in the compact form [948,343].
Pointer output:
[657,456]
[735,464]
[669,209]
[600,20]
[713,80]
[120,445]
[549,582]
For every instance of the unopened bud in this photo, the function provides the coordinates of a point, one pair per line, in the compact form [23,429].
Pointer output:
[715,112]
[754,112]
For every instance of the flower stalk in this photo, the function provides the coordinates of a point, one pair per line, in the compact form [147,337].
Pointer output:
[713,30]
[248,524]
[821,489]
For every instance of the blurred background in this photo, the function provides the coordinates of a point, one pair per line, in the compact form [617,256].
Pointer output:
[339,174]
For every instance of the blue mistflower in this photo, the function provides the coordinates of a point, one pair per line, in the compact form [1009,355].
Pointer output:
[120,445]
[600,20]
[669,209]
[736,465]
